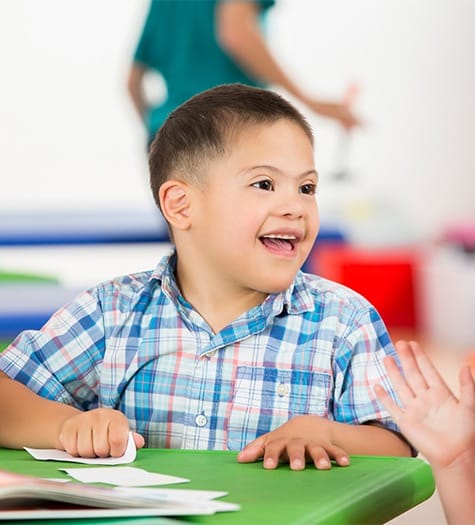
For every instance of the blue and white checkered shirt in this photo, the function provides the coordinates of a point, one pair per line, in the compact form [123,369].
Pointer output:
[136,345]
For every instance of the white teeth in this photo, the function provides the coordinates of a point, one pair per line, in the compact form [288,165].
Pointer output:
[286,237]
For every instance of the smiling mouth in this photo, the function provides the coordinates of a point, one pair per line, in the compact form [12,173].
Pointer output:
[284,244]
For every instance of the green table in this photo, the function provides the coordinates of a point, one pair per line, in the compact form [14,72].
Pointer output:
[371,490]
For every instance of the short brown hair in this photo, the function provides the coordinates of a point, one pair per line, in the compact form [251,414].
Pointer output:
[201,129]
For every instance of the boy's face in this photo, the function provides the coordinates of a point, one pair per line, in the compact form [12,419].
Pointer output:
[256,219]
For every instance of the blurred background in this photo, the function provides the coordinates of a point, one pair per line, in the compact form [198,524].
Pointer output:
[396,195]
[70,139]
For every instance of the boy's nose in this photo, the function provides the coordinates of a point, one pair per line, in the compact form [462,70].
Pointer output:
[291,205]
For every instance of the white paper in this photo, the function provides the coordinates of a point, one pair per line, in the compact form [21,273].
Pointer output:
[173,494]
[54,454]
[89,513]
[110,502]
[123,476]
[58,480]
[182,497]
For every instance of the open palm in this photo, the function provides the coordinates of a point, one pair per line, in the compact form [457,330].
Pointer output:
[441,426]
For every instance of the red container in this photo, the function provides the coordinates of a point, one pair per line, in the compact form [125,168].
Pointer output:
[383,276]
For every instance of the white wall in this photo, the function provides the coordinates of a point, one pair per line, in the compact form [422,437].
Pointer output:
[68,135]
[70,140]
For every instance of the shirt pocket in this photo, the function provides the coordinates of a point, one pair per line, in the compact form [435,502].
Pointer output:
[266,398]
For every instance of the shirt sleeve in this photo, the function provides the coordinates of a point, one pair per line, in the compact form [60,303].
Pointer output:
[146,47]
[358,367]
[61,361]
[266,4]
[155,42]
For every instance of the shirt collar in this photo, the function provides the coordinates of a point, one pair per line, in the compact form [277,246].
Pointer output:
[164,273]
[296,299]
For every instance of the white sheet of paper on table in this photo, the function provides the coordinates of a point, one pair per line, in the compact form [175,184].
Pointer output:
[189,494]
[183,496]
[123,476]
[58,480]
[53,454]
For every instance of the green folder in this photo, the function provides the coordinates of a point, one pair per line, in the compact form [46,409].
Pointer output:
[22,277]
[371,490]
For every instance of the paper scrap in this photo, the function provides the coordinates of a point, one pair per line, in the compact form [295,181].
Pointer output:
[58,480]
[54,454]
[173,494]
[123,476]
[182,496]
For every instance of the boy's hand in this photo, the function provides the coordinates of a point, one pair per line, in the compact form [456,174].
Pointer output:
[302,439]
[101,432]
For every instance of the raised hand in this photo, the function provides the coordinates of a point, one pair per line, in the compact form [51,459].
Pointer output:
[441,426]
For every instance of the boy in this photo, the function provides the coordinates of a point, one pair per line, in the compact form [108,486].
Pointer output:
[226,343]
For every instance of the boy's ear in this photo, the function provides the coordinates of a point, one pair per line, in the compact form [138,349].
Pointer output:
[175,203]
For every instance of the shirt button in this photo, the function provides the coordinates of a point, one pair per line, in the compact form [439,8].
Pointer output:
[282,390]
[209,355]
[201,420]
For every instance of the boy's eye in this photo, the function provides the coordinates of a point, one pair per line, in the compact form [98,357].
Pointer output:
[308,189]
[264,184]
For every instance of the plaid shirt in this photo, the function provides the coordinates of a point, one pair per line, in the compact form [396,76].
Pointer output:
[136,345]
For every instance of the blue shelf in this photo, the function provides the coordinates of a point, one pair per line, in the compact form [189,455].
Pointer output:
[12,325]
[31,229]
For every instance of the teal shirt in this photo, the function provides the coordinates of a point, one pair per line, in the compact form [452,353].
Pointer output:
[179,41]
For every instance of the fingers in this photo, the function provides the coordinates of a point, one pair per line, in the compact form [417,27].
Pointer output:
[347,118]
[412,373]
[297,453]
[116,439]
[253,451]
[85,442]
[322,456]
[420,375]
[138,440]
[388,402]
[467,387]
[398,381]
[97,433]
[276,449]
[68,438]
[427,370]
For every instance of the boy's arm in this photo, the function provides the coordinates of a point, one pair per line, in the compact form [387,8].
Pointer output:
[30,420]
[317,439]
[62,362]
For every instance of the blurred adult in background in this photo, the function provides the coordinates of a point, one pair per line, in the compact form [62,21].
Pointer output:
[198,44]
